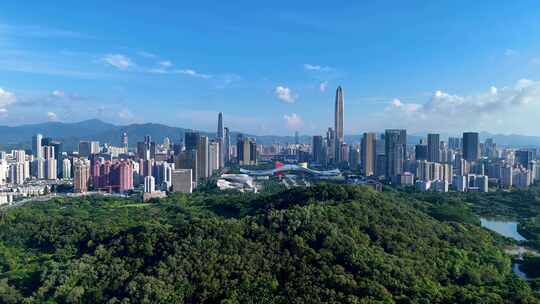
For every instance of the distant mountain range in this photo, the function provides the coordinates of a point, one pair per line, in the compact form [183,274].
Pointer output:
[94,129]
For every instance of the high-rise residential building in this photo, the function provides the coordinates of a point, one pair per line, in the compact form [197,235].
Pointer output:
[368,151]
[38,168]
[50,169]
[4,170]
[16,173]
[48,152]
[395,146]
[338,125]
[81,175]
[214,156]
[149,184]
[247,151]
[182,180]
[226,146]
[507,176]
[19,156]
[58,151]
[122,176]
[203,164]
[166,181]
[66,168]
[36,146]
[319,150]
[471,146]
[433,147]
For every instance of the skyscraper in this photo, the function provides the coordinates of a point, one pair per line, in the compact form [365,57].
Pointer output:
[246,149]
[220,140]
[214,162]
[220,126]
[433,147]
[471,146]
[368,154]
[319,150]
[36,146]
[338,124]
[395,152]
[203,164]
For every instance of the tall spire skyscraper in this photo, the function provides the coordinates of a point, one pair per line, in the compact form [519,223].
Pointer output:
[220,126]
[338,126]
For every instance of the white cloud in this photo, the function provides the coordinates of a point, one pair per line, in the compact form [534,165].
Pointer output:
[3,112]
[405,107]
[166,63]
[52,116]
[513,105]
[284,94]
[6,99]
[293,121]
[188,72]
[192,73]
[316,67]
[323,86]
[118,61]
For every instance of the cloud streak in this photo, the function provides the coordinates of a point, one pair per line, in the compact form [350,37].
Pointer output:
[118,61]
[316,67]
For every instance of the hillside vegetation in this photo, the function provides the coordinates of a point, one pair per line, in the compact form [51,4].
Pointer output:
[325,244]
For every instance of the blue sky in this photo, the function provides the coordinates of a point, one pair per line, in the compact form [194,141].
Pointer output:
[273,68]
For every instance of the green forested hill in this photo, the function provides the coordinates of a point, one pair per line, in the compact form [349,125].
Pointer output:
[331,244]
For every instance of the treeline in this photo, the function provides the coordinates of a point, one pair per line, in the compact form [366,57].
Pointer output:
[323,244]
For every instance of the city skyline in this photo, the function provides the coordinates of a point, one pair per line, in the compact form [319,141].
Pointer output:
[178,70]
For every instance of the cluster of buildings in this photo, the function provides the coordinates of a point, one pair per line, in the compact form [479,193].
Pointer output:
[461,163]
[151,168]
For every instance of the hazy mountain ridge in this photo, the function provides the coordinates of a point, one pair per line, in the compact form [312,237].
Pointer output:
[95,129]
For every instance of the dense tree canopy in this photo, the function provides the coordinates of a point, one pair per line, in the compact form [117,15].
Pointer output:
[329,243]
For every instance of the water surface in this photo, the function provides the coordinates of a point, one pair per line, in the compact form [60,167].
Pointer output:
[505,228]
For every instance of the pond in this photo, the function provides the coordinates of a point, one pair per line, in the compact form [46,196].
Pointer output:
[505,228]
